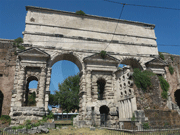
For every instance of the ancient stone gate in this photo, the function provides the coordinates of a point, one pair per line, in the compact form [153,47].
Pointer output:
[52,35]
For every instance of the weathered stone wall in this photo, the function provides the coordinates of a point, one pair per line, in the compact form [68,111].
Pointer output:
[151,98]
[7,71]
[174,79]
[162,117]
[67,30]
[20,114]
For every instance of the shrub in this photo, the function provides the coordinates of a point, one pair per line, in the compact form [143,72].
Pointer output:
[17,43]
[73,116]
[21,47]
[146,126]
[6,118]
[50,115]
[133,117]
[18,40]
[103,54]
[142,79]
[172,58]
[165,87]
[161,55]
[171,69]
[28,124]
[80,12]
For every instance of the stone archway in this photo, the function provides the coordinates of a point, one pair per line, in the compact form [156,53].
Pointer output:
[104,111]
[177,97]
[34,94]
[1,102]
[70,56]
[132,62]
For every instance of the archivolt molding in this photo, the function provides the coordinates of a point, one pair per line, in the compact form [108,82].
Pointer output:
[100,103]
[56,54]
[140,60]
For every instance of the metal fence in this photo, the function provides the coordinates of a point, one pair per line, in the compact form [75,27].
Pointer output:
[11,132]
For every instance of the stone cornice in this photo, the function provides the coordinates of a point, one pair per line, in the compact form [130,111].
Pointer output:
[89,51]
[40,9]
[87,39]
[89,30]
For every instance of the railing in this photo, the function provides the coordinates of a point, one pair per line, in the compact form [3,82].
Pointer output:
[11,132]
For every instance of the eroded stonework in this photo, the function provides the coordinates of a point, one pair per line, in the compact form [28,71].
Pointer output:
[105,90]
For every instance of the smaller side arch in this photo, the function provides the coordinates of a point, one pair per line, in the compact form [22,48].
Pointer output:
[133,62]
[177,97]
[26,96]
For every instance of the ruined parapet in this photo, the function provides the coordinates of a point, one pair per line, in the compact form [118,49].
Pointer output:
[20,114]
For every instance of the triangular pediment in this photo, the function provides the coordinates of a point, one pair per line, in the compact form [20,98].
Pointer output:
[33,52]
[97,57]
[157,61]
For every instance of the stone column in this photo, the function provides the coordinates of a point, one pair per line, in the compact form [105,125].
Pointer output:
[46,100]
[42,88]
[20,90]
[120,110]
[83,85]
[48,79]
[123,109]
[130,109]
[126,110]
[88,85]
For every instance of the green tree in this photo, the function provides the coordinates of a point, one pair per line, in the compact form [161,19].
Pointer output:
[67,95]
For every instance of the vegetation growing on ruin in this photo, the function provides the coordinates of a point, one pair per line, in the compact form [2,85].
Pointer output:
[161,55]
[80,12]
[142,78]
[146,125]
[18,43]
[103,54]
[5,119]
[172,58]
[165,87]
[28,124]
[171,69]
[133,117]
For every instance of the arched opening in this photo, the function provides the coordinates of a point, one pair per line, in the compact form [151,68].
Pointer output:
[1,102]
[104,111]
[133,63]
[101,87]
[63,66]
[68,57]
[177,97]
[31,91]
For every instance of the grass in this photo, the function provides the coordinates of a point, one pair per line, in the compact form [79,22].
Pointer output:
[63,122]
[86,131]
[82,131]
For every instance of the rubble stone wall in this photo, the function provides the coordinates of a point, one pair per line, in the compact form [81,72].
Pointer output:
[20,114]
[7,71]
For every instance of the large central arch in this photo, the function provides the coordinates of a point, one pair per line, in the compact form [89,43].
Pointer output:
[73,57]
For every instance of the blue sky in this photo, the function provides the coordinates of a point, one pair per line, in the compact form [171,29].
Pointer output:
[167,30]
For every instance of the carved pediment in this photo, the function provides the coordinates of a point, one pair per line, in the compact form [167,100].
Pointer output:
[33,52]
[157,61]
[97,57]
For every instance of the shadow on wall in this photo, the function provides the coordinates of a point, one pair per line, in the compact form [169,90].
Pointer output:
[1,102]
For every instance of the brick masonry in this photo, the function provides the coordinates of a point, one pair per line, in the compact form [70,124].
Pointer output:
[7,71]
